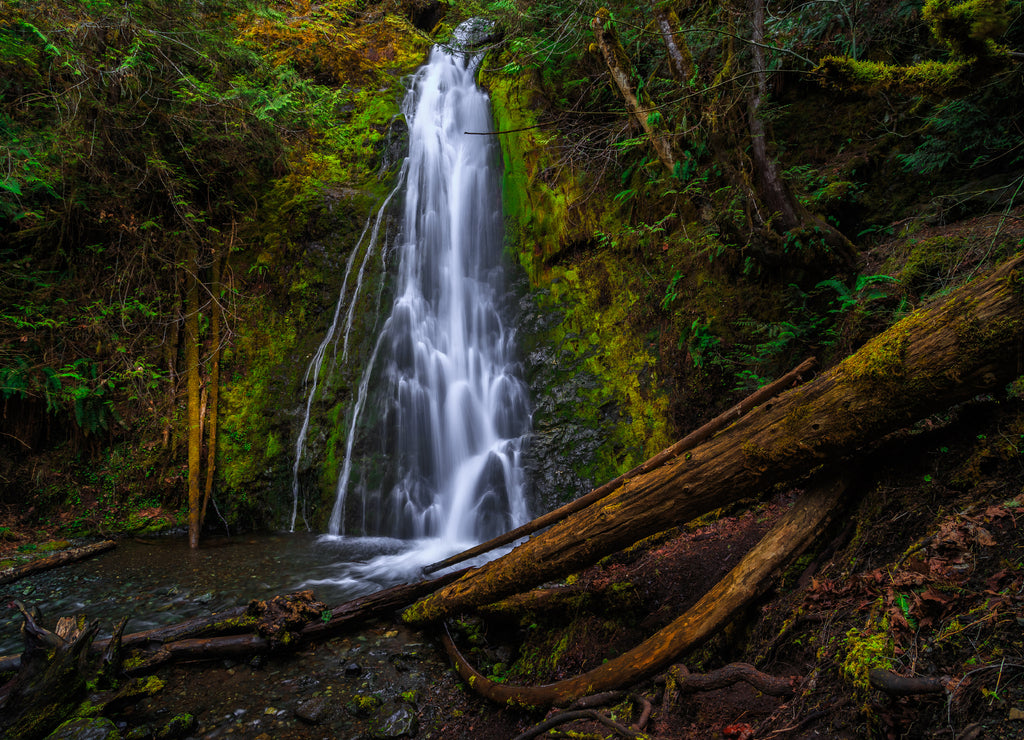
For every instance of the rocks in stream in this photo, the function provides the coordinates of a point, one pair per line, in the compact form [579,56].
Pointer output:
[312,710]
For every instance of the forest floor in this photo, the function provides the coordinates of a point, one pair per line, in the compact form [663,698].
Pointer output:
[931,584]
[921,574]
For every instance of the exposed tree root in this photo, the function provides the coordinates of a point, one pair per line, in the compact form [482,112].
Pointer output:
[744,583]
[592,714]
[897,685]
[691,683]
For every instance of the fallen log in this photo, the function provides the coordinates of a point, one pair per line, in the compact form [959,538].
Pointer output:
[751,577]
[970,343]
[688,442]
[52,561]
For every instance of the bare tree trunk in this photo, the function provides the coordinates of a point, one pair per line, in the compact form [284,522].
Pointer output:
[680,59]
[194,416]
[619,69]
[773,189]
[214,379]
[970,343]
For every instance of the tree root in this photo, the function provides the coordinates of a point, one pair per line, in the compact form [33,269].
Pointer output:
[592,714]
[744,583]
[897,685]
[691,683]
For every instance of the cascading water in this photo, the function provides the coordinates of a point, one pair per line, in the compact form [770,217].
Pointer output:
[441,390]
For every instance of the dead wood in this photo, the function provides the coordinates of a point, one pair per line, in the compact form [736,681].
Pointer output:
[692,683]
[579,714]
[52,561]
[691,440]
[897,685]
[54,675]
[222,622]
[751,577]
[619,69]
[970,343]
[280,623]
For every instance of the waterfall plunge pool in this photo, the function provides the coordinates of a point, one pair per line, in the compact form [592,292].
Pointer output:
[162,581]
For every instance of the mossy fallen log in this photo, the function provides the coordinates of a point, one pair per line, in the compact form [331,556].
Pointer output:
[63,557]
[691,440]
[751,577]
[972,342]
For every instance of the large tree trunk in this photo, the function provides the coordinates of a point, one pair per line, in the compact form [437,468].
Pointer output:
[740,587]
[972,342]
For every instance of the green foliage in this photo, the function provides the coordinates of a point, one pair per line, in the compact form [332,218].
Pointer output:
[969,133]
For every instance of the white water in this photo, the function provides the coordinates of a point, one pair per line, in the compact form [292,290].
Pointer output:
[315,364]
[440,397]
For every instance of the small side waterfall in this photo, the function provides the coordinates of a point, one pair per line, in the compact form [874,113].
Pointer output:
[440,398]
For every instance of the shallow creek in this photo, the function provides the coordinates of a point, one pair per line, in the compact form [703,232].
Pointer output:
[161,581]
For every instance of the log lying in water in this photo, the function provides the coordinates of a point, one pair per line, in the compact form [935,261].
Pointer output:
[52,561]
[217,635]
[970,343]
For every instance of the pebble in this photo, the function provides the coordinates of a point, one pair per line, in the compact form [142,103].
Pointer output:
[312,710]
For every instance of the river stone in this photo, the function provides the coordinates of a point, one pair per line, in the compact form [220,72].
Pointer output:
[353,669]
[312,710]
[92,728]
[402,723]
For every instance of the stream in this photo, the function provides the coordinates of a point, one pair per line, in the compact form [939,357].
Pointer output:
[162,581]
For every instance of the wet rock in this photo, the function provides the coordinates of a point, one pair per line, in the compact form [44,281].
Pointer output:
[93,728]
[401,723]
[142,732]
[178,726]
[353,669]
[312,710]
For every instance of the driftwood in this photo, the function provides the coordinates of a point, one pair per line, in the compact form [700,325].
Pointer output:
[970,343]
[691,440]
[751,577]
[52,561]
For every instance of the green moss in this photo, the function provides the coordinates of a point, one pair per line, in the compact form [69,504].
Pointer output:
[864,650]
[363,705]
[929,262]
[881,359]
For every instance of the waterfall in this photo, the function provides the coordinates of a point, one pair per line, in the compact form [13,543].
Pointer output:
[435,434]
